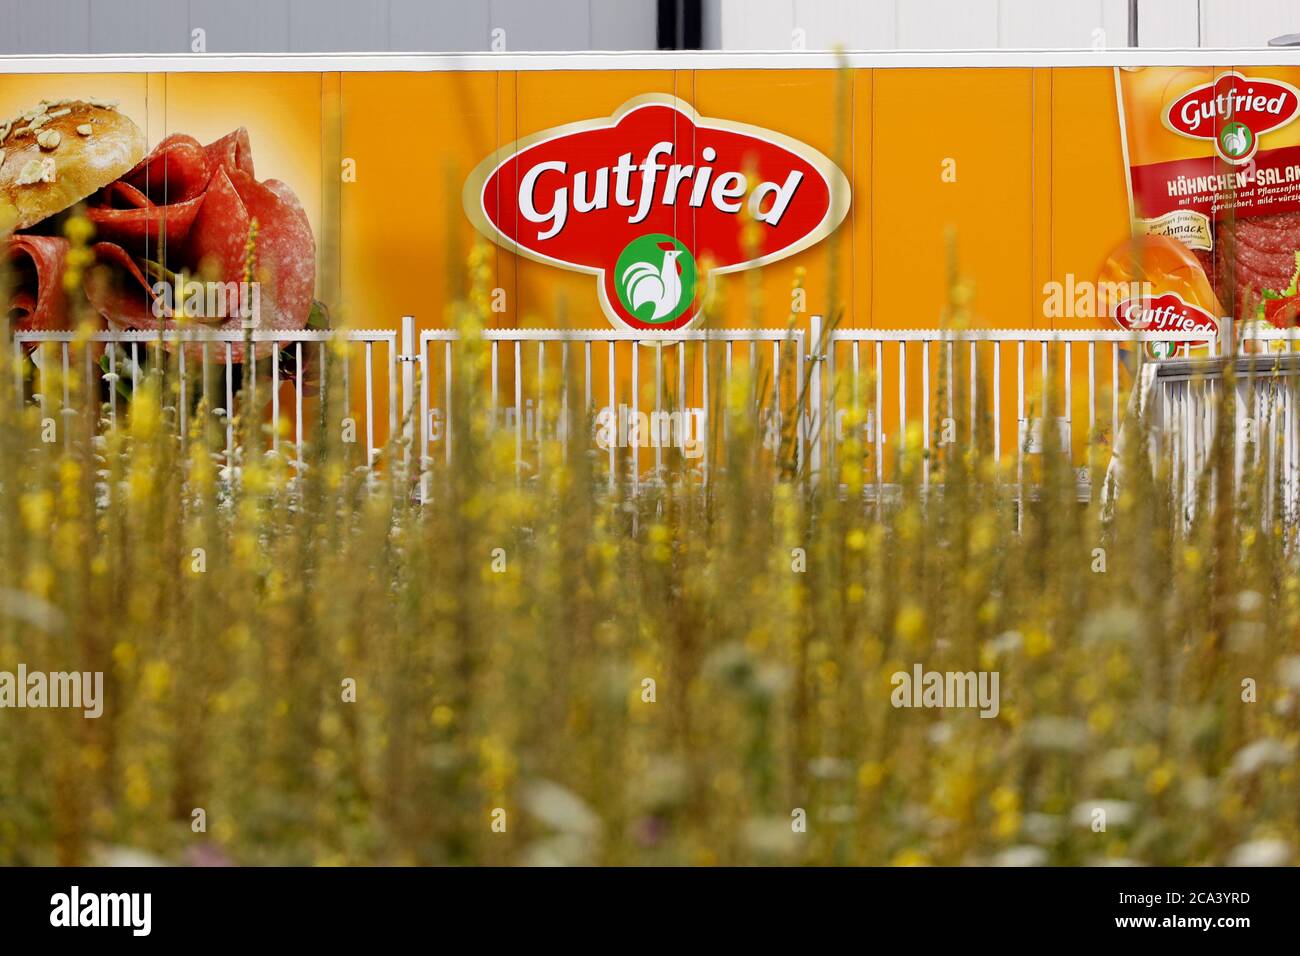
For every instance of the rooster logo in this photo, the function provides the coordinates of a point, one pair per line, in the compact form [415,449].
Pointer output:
[1236,141]
[656,278]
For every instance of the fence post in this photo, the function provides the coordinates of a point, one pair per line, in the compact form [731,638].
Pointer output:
[815,413]
[408,359]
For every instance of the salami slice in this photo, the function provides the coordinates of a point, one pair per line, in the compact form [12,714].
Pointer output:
[199,212]
[284,251]
[232,151]
[120,292]
[160,197]
[37,300]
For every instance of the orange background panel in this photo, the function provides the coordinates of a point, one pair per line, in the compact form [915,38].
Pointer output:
[1039,191]
[1039,195]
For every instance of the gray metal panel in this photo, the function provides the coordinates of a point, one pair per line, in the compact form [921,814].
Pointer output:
[310,26]
[441,26]
[135,26]
[62,27]
[555,25]
[337,26]
[242,26]
[623,24]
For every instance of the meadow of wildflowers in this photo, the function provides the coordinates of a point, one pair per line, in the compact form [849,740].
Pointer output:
[547,669]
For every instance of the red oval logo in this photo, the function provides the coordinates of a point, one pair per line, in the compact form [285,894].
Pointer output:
[1234,111]
[652,200]
[1165,313]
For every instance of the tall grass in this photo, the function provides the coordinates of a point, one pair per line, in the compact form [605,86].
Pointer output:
[516,679]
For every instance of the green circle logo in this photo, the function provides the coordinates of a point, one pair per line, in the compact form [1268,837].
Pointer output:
[655,278]
[1236,140]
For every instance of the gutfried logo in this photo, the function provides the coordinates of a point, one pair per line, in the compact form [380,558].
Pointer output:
[1169,312]
[653,199]
[1234,111]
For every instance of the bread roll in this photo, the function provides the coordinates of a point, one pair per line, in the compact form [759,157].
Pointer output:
[59,153]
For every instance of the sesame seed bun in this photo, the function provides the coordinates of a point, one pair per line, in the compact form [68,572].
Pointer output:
[58,153]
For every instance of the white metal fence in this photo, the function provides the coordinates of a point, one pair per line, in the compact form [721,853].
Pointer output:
[1183,401]
[1051,378]
[597,386]
[588,369]
[116,358]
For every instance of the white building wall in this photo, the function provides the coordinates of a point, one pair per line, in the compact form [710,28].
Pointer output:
[1007,24]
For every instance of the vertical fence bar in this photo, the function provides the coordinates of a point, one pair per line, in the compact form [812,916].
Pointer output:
[275,394]
[724,396]
[951,386]
[67,393]
[297,405]
[925,412]
[19,363]
[112,385]
[181,415]
[683,398]
[613,409]
[1114,393]
[972,385]
[1069,412]
[1022,426]
[902,399]
[879,419]
[856,362]
[370,405]
[776,403]
[44,380]
[408,389]
[541,398]
[519,411]
[230,404]
[799,397]
[423,365]
[586,384]
[564,396]
[813,410]
[708,420]
[655,437]
[205,383]
[346,369]
[90,385]
[1042,367]
[392,392]
[832,404]
[448,372]
[634,447]
[997,403]
[495,385]
[1092,390]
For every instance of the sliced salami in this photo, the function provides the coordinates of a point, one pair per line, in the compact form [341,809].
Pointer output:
[37,300]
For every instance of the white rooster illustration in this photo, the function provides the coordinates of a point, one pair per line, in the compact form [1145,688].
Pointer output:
[658,284]
[1236,141]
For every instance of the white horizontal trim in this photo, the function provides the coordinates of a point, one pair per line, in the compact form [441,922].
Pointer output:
[649,60]
[647,335]
[620,335]
[1017,335]
[154,336]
